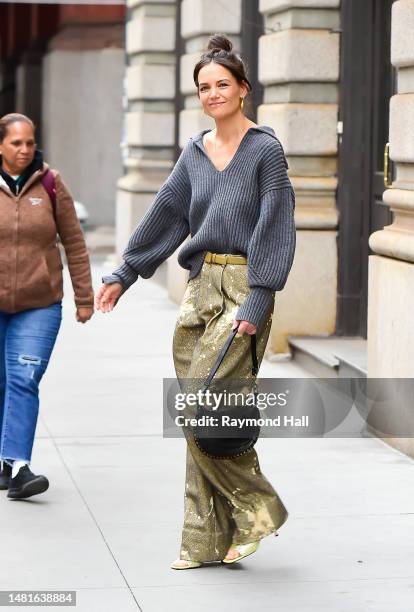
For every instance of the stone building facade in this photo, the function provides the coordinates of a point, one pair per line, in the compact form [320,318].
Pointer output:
[63,65]
[335,79]
[299,99]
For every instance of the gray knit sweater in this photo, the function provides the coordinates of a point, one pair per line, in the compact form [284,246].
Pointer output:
[247,208]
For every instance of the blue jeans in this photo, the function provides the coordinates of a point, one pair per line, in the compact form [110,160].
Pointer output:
[27,339]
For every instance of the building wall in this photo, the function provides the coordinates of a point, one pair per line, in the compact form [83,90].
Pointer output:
[299,67]
[82,89]
[150,117]
[82,124]
[299,56]
[391,268]
[63,65]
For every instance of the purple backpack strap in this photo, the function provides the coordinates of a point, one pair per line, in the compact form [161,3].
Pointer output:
[48,182]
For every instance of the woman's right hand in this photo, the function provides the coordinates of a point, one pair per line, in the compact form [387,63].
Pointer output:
[107,297]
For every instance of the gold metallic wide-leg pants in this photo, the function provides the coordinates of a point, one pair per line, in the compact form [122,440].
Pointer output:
[226,500]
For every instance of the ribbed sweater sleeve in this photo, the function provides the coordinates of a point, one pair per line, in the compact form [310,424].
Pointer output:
[160,232]
[272,245]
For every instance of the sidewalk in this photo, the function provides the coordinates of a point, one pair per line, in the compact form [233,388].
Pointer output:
[109,526]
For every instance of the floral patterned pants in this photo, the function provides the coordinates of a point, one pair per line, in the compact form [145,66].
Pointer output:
[226,501]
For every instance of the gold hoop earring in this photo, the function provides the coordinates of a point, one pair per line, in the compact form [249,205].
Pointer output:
[242,104]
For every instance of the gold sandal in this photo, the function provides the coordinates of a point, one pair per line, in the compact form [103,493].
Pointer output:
[244,550]
[183,564]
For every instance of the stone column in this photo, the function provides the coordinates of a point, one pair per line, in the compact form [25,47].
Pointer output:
[299,68]
[149,120]
[199,19]
[391,269]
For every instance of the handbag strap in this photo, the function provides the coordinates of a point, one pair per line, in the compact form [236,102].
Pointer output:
[221,355]
[49,183]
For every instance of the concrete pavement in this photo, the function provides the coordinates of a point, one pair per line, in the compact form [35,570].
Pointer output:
[110,523]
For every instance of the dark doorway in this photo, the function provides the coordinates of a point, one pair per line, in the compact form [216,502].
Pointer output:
[367,83]
[25,30]
[251,30]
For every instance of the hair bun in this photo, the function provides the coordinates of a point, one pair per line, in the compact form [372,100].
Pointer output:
[219,42]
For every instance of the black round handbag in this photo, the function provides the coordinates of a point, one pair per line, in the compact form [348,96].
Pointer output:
[205,433]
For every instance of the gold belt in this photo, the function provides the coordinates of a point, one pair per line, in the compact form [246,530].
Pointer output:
[217,258]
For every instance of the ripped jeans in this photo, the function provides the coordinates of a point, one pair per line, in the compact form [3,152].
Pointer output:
[27,339]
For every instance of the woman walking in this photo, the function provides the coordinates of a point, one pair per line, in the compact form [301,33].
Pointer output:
[230,191]
[35,206]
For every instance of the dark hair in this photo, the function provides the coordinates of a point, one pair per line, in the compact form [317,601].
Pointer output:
[220,50]
[13,118]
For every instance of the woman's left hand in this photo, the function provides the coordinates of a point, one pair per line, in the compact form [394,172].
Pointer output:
[244,326]
[84,313]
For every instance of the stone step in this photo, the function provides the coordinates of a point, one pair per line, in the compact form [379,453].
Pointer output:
[331,356]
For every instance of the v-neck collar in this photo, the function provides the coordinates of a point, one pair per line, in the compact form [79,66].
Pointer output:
[198,140]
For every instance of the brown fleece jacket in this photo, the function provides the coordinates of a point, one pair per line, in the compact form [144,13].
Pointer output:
[30,262]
